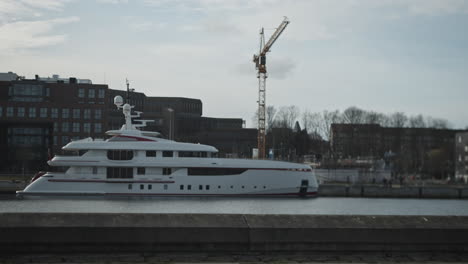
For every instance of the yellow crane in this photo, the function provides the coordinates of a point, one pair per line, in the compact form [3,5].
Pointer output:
[260,64]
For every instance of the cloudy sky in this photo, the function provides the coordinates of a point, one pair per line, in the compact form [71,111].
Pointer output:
[387,55]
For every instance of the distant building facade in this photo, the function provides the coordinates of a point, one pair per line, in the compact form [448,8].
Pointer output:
[39,116]
[416,150]
[461,156]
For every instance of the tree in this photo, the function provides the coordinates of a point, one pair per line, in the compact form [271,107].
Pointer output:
[353,115]
[287,116]
[398,119]
[311,121]
[437,123]
[372,117]
[417,121]
[270,113]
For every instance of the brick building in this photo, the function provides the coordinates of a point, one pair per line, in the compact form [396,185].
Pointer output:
[416,149]
[38,116]
[461,156]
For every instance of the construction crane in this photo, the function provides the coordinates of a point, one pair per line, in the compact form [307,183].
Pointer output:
[260,64]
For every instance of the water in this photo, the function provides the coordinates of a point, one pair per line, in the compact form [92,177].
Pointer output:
[313,206]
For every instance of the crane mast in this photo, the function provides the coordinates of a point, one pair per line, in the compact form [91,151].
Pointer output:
[260,64]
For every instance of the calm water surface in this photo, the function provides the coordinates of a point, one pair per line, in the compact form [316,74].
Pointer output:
[360,206]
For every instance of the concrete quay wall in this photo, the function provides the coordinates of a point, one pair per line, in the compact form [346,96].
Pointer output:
[439,192]
[84,233]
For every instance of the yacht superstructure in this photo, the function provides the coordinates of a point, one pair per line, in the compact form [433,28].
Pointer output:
[133,162]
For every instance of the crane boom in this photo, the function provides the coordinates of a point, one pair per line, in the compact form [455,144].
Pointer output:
[260,64]
[275,36]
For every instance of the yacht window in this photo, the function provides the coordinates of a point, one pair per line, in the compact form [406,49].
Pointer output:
[130,186]
[140,170]
[150,187]
[165,186]
[215,171]
[167,171]
[207,187]
[219,186]
[120,154]
[182,187]
[192,154]
[189,187]
[142,186]
[94,170]
[168,154]
[151,153]
[200,187]
[119,173]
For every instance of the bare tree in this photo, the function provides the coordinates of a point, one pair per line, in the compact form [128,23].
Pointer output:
[398,119]
[328,118]
[311,121]
[287,116]
[353,115]
[437,123]
[270,112]
[372,117]
[416,121]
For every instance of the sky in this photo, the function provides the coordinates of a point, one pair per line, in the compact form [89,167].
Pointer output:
[389,55]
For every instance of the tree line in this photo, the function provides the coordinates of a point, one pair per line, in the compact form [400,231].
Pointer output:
[318,124]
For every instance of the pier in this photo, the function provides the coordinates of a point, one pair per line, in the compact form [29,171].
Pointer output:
[96,233]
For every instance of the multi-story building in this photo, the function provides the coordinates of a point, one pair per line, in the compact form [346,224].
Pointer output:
[416,149]
[38,116]
[461,156]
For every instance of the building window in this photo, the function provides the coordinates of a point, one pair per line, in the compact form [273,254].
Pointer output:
[65,140]
[56,127]
[9,111]
[119,173]
[120,154]
[101,93]
[65,127]
[20,112]
[151,153]
[54,113]
[87,114]
[81,92]
[1,111]
[43,112]
[97,127]
[76,113]
[91,93]
[54,140]
[87,127]
[168,154]
[32,112]
[97,114]
[95,170]
[167,171]
[466,148]
[65,113]
[76,127]
[141,170]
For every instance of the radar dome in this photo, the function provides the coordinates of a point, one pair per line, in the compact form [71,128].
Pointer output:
[118,100]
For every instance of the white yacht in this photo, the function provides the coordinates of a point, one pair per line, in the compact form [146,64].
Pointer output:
[133,162]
